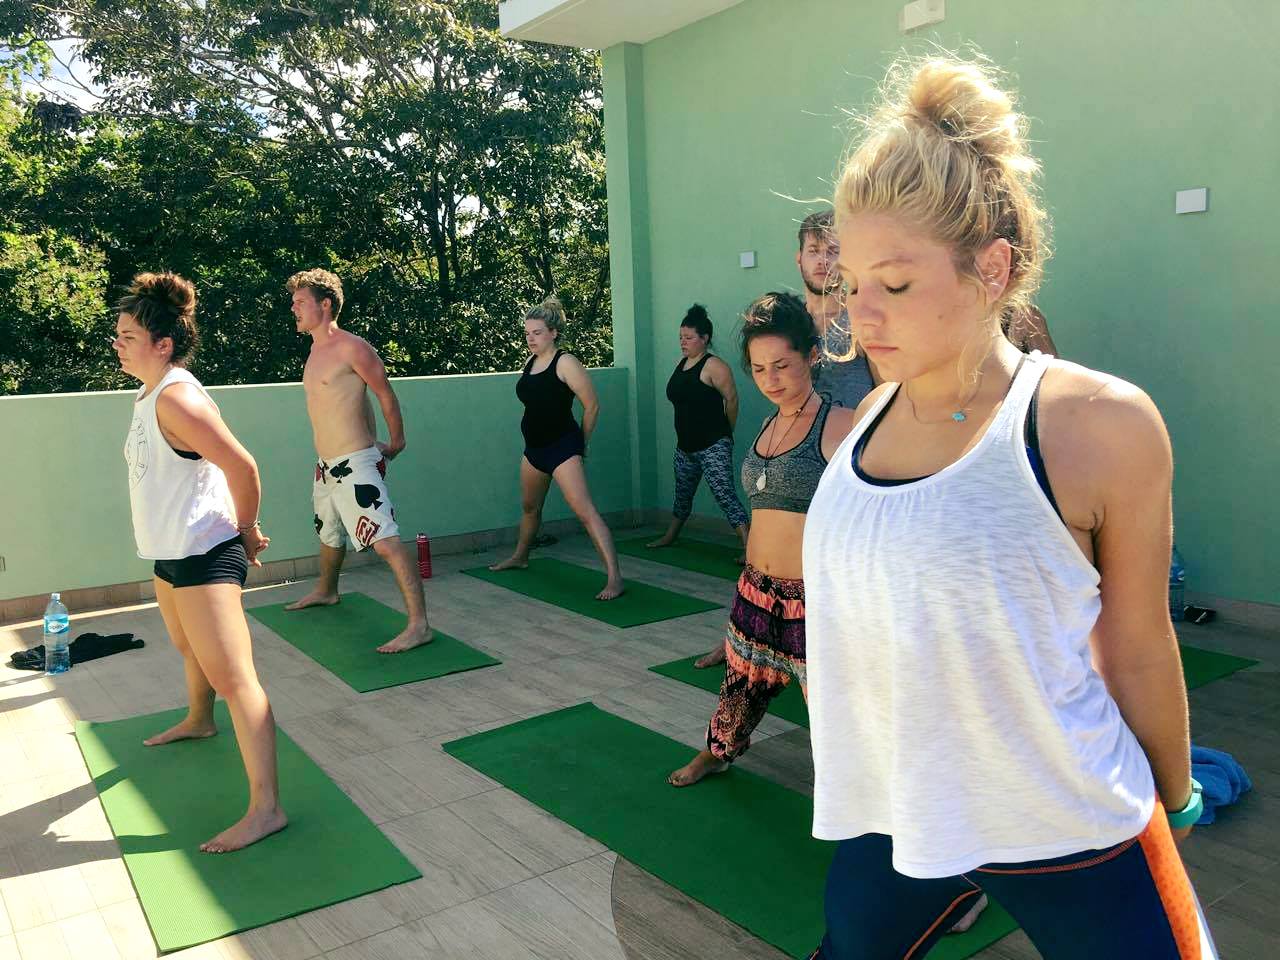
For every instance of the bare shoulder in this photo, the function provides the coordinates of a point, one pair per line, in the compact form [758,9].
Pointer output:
[355,346]
[717,368]
[871,399]
[569,364]
[840,423]
[841,420]
[1097,420]
[182,399]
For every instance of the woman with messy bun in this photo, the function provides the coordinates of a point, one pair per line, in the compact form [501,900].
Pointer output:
[705,398]
[995,692]
[554,444]
[194,493]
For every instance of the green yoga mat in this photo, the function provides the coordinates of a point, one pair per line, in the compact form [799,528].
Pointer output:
[1198,666]
[789,704]
[343,639]
[163,802]
[736,842]
[574,588]
[1204,666]
[714,559]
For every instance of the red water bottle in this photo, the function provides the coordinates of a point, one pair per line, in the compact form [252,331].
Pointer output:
[424,556]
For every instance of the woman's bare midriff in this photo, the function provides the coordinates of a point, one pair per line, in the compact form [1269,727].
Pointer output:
[776,543]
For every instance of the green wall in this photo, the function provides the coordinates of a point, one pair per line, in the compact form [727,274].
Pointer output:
[66,521]
[1129,102]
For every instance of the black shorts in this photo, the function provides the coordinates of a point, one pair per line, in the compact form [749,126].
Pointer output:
[225,563]
[547,458]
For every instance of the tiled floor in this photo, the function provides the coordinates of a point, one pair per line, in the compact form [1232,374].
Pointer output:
[500,879]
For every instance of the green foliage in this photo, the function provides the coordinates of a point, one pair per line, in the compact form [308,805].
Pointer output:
[450,176]
[54,322]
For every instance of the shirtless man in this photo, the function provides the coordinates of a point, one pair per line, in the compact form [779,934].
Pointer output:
[350,492]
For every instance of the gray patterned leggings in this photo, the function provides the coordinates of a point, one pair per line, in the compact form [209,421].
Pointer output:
[716,464]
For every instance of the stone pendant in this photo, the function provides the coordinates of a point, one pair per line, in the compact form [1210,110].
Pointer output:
[760,481]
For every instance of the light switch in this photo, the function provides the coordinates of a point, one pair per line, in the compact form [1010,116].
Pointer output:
[921,13]
[747,259]
[1191,201]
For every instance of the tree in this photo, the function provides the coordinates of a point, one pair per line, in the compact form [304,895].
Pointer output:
[450,175]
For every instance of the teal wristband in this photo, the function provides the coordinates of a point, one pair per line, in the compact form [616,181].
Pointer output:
[1189,814]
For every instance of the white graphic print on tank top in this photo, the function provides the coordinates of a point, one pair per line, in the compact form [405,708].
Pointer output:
[181,508]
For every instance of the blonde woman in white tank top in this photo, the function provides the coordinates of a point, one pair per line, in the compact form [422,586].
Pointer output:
[194,493]
[995,693]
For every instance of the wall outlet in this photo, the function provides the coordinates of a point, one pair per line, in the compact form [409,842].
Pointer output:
[1195,200]
[921,13]
[747,259]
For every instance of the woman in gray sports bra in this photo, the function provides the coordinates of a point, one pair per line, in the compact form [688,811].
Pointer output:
[764,645]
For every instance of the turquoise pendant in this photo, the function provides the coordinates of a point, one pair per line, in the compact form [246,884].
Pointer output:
[959,416]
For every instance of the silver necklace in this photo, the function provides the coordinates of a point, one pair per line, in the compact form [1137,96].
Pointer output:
[771,449]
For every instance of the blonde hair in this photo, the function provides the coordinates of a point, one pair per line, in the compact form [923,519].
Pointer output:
[321,283]
[946,150]
[551,312]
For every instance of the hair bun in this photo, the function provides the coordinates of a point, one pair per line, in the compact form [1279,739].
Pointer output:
[962,101]
[947,149]
[176,291]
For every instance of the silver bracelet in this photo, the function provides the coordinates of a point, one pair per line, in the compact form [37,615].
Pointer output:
[246,527]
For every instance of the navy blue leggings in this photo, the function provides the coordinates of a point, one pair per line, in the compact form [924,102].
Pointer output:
[1131,900]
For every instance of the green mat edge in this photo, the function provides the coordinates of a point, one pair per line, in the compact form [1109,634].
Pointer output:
[493,661]
[85,726]
[635,547]
[479,573]
[1003,924]
[661,669]
[1240,663]
[668,669]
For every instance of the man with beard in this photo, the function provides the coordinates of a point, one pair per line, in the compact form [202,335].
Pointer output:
[843,373]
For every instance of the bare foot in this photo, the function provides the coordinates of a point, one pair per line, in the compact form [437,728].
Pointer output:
[612,590]
[971,917]
[511,563]
[716,656]
[316,599]
[251,828]
[413,636]
[704,764]
[186,730]
[660,542]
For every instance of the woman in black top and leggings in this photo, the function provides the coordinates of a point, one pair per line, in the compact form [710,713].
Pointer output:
[554,443]
[705,398]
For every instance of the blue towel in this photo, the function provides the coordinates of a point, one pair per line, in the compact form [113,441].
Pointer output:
[1222,777]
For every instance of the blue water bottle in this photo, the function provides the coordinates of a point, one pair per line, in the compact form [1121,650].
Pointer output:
[1177,586]
[57,629]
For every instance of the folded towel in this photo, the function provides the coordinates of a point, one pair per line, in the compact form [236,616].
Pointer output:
[1222,777]
[87,646]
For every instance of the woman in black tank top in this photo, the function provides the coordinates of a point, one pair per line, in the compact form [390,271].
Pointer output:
[705,399]
[554,443]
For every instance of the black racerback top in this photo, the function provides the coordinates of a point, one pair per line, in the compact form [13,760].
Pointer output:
[548,405]
[700,417]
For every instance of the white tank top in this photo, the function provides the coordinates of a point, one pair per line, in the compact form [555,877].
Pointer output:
[952,701]
[181,508]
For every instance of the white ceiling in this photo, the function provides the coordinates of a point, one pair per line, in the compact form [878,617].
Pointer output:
[597,24]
